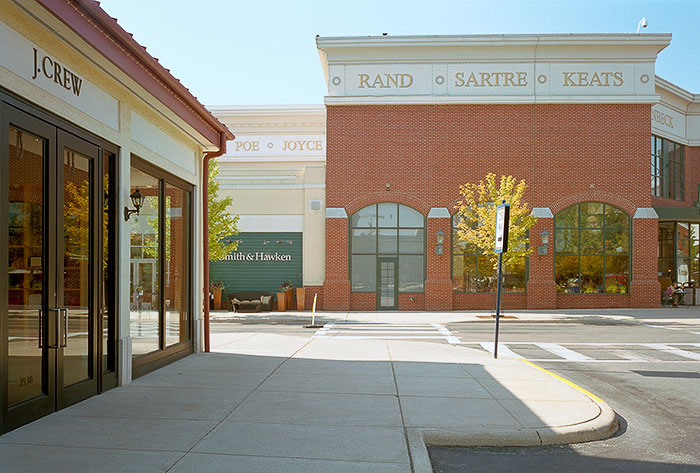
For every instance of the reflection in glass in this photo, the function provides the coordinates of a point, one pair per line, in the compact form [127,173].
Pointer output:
[76,265]
[143,294]
[108,268]
[411,273]
[472,274]
[176,245]
[25,291]
[592,258]
[386,229]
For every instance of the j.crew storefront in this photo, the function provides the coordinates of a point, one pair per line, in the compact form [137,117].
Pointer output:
[90,299]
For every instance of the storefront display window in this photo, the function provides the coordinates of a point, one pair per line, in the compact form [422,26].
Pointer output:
[679,247]
[592,249]
[667,162]
[473,271]
[159,254]
[387,230]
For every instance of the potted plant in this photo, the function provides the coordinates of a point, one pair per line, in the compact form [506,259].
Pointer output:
[217,288]
[288,289]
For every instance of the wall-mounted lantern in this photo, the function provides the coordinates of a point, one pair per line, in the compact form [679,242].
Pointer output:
[542,249]
[137,199]
[439,240]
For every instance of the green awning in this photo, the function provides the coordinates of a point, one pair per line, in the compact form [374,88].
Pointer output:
[691,214]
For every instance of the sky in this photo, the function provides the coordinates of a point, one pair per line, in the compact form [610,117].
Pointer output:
[230,52]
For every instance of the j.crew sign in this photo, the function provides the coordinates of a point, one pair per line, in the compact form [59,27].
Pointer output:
[50,68]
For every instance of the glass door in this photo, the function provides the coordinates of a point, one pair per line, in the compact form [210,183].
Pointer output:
[76,269]
[50,269]
[387,276]
[29,354]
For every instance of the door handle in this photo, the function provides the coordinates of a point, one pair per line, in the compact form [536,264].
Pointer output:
[65,326]
[58,311]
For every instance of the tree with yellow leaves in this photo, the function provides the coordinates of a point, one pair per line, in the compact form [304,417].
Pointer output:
[476,225]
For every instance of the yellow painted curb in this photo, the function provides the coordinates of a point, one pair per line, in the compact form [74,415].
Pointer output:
[566,381]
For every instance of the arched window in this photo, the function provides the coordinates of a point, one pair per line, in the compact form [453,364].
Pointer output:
[385,231]
[473,271]
[592,249]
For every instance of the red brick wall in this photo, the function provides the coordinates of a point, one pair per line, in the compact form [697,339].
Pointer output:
[566,153]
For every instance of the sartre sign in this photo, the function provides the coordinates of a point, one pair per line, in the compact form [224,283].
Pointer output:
[258,256]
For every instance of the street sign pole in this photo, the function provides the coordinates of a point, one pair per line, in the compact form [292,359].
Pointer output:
[500,247]
[498,302]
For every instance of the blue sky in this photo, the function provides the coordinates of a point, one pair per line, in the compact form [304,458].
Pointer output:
[264,52]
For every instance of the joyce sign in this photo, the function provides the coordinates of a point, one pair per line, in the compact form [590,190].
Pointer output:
[502,221]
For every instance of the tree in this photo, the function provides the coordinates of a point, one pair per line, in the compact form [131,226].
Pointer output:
[222,225]
[477,223]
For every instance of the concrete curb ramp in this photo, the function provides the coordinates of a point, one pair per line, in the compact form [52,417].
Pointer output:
[599,427]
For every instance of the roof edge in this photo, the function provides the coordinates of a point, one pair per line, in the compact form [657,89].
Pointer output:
[89,21]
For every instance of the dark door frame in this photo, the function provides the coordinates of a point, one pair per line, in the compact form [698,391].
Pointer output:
[395,261]
[58,131]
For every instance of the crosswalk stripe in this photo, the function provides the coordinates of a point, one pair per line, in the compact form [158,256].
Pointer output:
[385,331]
[502,349]
[563,352]
[676,351]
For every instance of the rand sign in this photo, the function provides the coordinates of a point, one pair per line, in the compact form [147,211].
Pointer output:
[261,262]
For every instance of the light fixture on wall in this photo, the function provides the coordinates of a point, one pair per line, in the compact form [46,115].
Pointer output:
[542,249]
[289,242]
[439,240]
[642,23]
[137,199]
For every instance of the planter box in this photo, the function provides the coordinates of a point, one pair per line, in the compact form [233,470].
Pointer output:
[301,298]
[281,301]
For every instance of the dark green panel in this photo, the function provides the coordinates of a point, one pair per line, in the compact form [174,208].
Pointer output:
[261,263]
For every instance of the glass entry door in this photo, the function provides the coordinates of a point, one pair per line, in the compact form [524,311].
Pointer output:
[387,289]
[50,265]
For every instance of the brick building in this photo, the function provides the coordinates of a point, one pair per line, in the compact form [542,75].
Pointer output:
[410,119]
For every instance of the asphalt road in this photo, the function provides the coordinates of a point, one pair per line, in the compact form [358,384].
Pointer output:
[648,371]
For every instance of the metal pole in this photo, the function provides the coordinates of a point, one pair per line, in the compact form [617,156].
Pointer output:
[498,302]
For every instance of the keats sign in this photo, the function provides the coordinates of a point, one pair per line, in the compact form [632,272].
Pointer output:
[51,69]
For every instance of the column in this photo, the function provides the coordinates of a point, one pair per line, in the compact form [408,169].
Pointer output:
[541,288]
[438,280]
[644,287]
[336,287]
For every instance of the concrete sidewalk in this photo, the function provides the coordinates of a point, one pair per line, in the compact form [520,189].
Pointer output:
[288,402]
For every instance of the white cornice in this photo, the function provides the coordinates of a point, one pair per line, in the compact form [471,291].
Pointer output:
[486,100]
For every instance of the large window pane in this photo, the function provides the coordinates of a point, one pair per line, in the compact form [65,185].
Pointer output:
[667,169]
[464,273]
[176,256]
[592,215]
[616,241]
[411,274]
[566,240]
[26,266]
[364,273]
[615,217]
[366,217]
[591,242]
[567,218]
[592,274]
[411,241]
[143,294]
[387,215]
[616,274]
[364,240]
[387,242]
[409,217]
[566,271]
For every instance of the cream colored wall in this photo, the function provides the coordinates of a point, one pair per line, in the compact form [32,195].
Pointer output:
[271,186]
[158,136]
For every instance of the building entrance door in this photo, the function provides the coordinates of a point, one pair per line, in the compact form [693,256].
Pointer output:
[387,287]
[49,308]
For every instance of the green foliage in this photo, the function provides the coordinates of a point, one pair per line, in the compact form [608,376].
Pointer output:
[222,225]
[477,223]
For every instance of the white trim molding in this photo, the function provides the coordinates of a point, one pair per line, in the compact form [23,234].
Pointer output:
[646,212]
[336,212]
[542,212]
[439,212]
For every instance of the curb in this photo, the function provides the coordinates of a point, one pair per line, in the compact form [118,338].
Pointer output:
[604,425]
